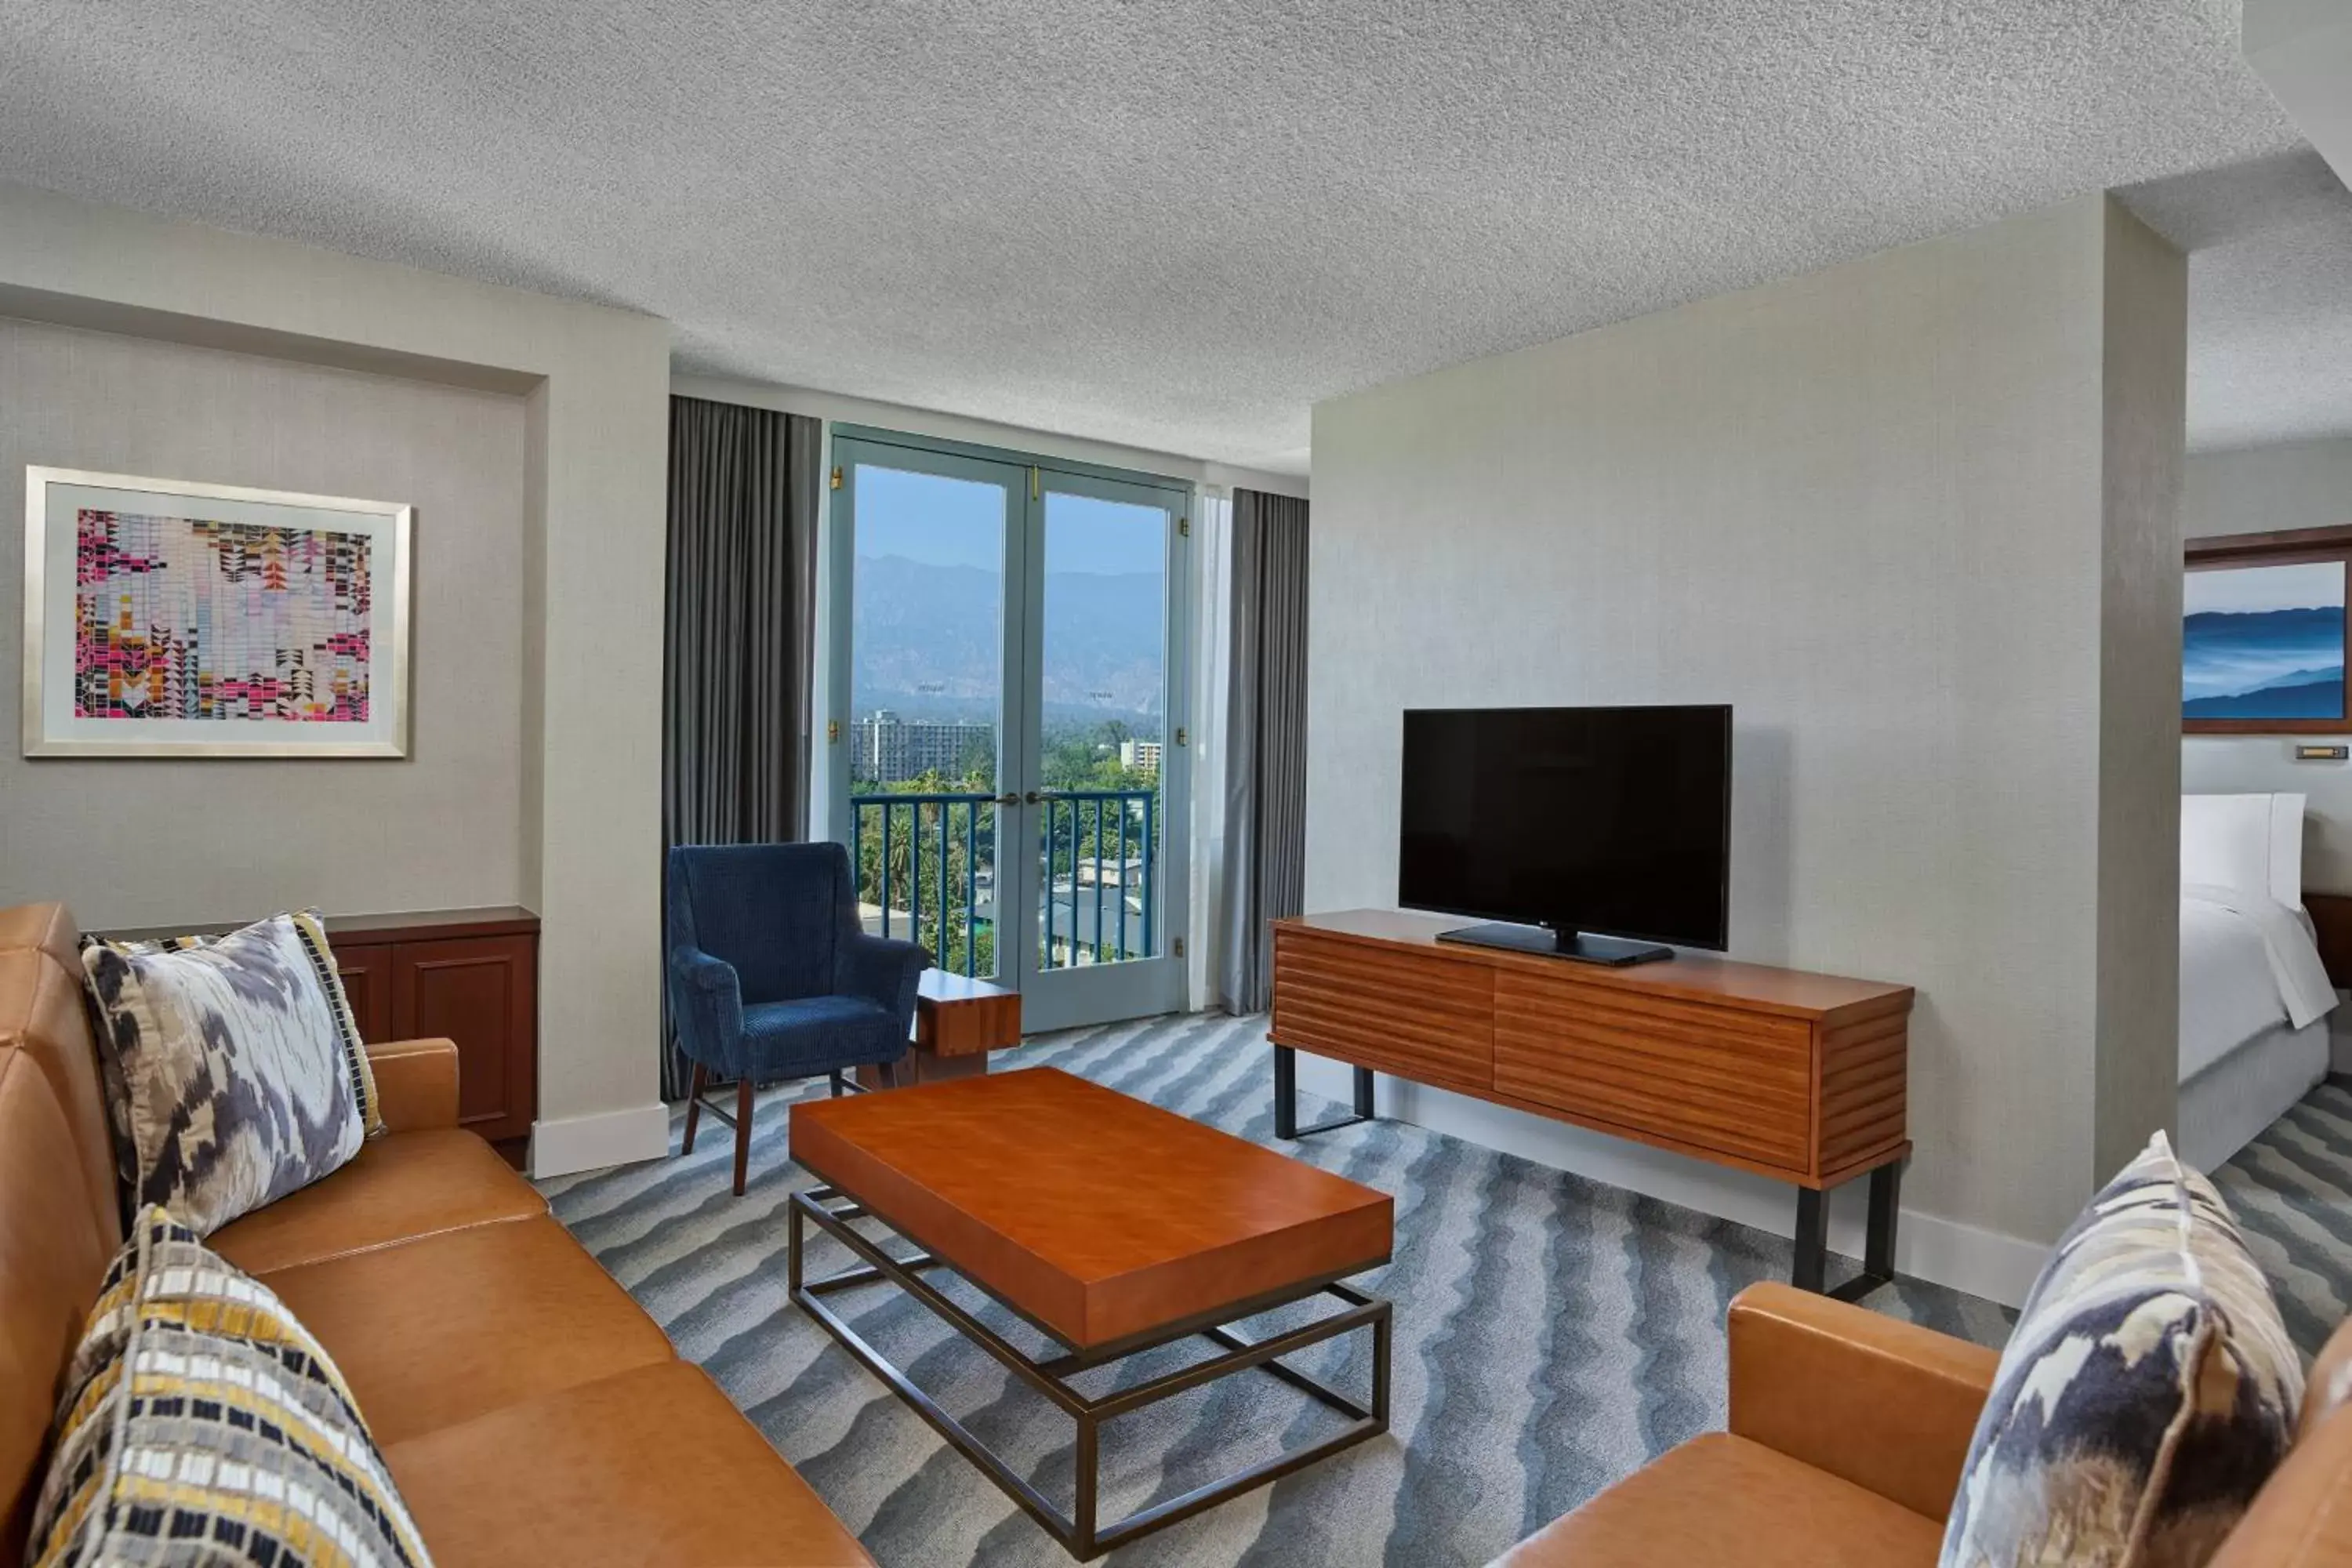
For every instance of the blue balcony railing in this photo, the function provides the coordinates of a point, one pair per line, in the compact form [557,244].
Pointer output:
[1088,912]
[916,886]
[925,866]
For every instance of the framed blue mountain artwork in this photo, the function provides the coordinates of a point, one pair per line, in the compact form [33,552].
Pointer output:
[2262,643]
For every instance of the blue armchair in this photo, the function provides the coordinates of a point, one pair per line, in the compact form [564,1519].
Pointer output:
[772,977]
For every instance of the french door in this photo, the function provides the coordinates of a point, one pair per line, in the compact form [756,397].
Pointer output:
[1007,739]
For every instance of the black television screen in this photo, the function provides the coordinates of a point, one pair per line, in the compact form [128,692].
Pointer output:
[1615,821]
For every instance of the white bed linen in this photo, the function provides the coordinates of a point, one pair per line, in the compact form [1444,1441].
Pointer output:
[2229,991]
[2288,949]
[2244,841]
[2225,1107]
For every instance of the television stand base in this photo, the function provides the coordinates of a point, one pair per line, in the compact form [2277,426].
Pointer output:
[1608,951]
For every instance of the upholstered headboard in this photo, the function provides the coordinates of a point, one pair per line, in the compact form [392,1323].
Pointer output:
[2251,841]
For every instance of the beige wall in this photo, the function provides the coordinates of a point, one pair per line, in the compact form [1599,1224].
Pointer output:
[152,842]
[2145,385]
[1886,512]
[595,386]
[2261,490]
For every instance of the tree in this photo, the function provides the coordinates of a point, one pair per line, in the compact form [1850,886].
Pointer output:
[953,908]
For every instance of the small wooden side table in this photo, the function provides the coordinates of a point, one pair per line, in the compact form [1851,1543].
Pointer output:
[958,1021]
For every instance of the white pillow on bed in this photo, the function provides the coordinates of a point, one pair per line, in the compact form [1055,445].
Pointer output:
[2249,841]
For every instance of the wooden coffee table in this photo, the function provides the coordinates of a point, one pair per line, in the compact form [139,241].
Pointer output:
[1112,1226]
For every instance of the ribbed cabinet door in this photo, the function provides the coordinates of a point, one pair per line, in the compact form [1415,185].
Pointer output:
[1415,1013]
[1718,1079]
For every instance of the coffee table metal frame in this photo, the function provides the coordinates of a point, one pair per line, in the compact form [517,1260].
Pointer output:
[831,1210]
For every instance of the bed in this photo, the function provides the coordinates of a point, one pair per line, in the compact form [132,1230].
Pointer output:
[2255,998]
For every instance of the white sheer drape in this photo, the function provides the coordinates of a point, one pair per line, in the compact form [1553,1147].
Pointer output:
[1212,658]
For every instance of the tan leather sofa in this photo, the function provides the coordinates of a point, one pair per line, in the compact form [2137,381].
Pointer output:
[530,1410]
[1847,1434]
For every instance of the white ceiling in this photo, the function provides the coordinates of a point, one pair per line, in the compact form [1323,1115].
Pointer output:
[1178,224]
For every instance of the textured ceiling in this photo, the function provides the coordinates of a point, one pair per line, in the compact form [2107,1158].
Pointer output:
[1174,225]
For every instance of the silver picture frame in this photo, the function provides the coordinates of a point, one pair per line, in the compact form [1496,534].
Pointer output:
[49,733]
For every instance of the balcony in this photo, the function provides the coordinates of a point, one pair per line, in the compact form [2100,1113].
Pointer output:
[925,866]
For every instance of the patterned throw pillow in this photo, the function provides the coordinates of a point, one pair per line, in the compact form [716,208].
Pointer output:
[234,1064]
[2148,1392]
[202,1425]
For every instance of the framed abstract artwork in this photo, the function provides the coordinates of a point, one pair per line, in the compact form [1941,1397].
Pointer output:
[2263,634]
[171,619]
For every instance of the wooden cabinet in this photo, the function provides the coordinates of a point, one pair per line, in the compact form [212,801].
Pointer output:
[471,976]
[1421,1013]
[1799,1076]
[366,970]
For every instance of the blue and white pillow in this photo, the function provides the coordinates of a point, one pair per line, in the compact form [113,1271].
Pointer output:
[2148,1392]
[237,1074]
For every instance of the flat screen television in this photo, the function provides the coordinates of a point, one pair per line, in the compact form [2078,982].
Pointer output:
[1606,829]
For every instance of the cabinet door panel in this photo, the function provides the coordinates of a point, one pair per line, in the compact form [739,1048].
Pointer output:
[366,972]
[479,992]
[1421,1015]
[1717,1078]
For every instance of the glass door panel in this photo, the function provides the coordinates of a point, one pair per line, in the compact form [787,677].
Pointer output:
[1009,767]
[1104,584]
[1102,728]
[931,641]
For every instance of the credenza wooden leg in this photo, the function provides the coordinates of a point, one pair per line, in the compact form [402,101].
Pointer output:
[1286,1098]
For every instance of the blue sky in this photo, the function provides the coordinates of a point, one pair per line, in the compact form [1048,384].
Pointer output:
[960,523]
[2308,585]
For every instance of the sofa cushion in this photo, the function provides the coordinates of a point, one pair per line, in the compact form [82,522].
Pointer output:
[240,1070]
[203,1423]
[780,1037]
[650,1466]
[2147,1392]
[438,1331]
[400,1187]
[1717,1500]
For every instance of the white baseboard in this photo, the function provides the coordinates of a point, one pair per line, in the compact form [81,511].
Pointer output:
[592,1142]
[1926,1247]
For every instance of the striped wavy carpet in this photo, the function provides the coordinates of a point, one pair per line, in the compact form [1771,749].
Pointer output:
[1551,1333]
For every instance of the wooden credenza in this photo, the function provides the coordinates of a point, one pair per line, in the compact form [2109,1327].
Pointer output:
[1800,1078]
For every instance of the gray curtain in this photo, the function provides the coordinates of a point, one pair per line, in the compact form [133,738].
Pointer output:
[740,633]
[1266,752]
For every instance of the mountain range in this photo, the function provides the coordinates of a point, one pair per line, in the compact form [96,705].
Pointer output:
[929,640]
[2262,664]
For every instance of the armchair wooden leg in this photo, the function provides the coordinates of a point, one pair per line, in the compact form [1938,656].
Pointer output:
[742,1130]
[693,1107]
[838,1086]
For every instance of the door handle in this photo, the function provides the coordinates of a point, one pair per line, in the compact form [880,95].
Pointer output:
[1035,798]
[1008,799]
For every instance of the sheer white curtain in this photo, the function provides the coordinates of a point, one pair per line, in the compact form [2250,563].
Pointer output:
[1212,644]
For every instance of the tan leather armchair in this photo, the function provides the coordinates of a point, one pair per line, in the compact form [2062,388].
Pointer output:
[1847,1434]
